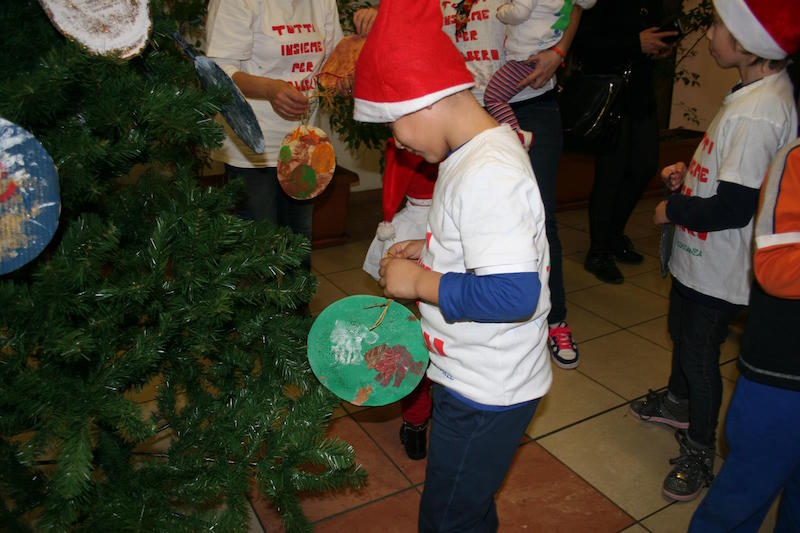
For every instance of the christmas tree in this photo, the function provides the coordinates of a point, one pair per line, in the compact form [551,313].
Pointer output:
[150,282]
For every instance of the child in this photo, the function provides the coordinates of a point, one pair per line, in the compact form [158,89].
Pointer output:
[764,439]
[532,26]
[480,275]
[711,258]
[408,175]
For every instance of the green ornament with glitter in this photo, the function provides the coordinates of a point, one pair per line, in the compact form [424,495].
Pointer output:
[367,350]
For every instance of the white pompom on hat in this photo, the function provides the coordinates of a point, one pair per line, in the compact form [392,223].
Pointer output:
[407,63]
[766,28]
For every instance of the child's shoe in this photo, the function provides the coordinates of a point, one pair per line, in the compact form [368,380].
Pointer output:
[657,407]
[562,346]
[693,470]
[526,138]
[414,439]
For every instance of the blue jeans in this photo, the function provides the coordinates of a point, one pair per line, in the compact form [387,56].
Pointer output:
[697,332]
[469,455]
[763,431]
[266,200]
[542,116]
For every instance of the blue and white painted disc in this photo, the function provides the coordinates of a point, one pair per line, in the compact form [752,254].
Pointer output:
[29,197]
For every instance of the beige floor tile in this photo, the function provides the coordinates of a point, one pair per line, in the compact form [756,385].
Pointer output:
[573,397]
[648,204]
[338,258]
[577,219]
[641,225]
[648,245]
[653,282]
[624,305]
[673,519]
[635,528]
[326,294]
[572,240]
[253,525]
[729,371]
[649,264]
[355,281]
[655,331]
[625,363]
[623,458]
[575,276]
[586,325]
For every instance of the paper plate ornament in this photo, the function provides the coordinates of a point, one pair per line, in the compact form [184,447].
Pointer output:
[237,112]
[104,27]
[367,350]
[340,65]
[305,162]
[29,197]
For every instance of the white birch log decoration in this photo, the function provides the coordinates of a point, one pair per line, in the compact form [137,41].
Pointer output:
[104,27]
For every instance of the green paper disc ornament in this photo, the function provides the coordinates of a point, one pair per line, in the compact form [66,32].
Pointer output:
[367,350]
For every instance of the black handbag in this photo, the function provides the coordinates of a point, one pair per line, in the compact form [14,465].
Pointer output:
[591,104]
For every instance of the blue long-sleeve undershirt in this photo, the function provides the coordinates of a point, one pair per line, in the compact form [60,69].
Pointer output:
[491,298]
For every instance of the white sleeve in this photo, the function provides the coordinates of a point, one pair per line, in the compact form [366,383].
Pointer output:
[496,221]
[585,4]
[515,12]
[229,33]
[333,29]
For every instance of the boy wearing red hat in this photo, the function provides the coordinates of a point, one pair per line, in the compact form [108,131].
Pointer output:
[711,262]
[480,274]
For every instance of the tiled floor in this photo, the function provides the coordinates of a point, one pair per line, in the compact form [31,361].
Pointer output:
[586,465]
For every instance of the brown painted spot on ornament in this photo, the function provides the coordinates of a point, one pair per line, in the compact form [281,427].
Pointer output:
[362,395]
[306,162]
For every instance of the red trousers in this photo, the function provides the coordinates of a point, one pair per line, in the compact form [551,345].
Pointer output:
[417,405]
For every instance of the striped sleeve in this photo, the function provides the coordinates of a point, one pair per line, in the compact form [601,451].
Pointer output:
[777,230]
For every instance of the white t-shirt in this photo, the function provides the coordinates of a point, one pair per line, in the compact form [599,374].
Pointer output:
[487,217]
[753,123]
[482,45]
[535,25]
[282,39]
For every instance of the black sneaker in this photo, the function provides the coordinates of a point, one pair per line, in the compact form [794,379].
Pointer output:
[414,439]
[657,407]
[624,252]
[693,470]
[603,267]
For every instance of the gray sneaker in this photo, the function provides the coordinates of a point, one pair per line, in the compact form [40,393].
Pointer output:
[691,472]
[657,407]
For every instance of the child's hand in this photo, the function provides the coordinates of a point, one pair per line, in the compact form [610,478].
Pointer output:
[399,277]
[652,42]
[406,249]
[363,19]
[660,215]
[673,176]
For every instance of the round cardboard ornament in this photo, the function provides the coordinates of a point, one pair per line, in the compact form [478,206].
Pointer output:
[367,350]
[305,162]
[237,112]
[29,197]
[104,27]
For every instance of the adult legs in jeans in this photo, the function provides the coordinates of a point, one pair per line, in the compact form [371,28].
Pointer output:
[542,116]
[469,456]
[697,332]
[764,456]
[266,200]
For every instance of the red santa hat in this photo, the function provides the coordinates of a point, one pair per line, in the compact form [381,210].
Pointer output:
[407,63]
[406,174]
[766,28]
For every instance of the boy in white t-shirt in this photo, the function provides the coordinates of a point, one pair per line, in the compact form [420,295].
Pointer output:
[531,26]
[480,275]
[711,260]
